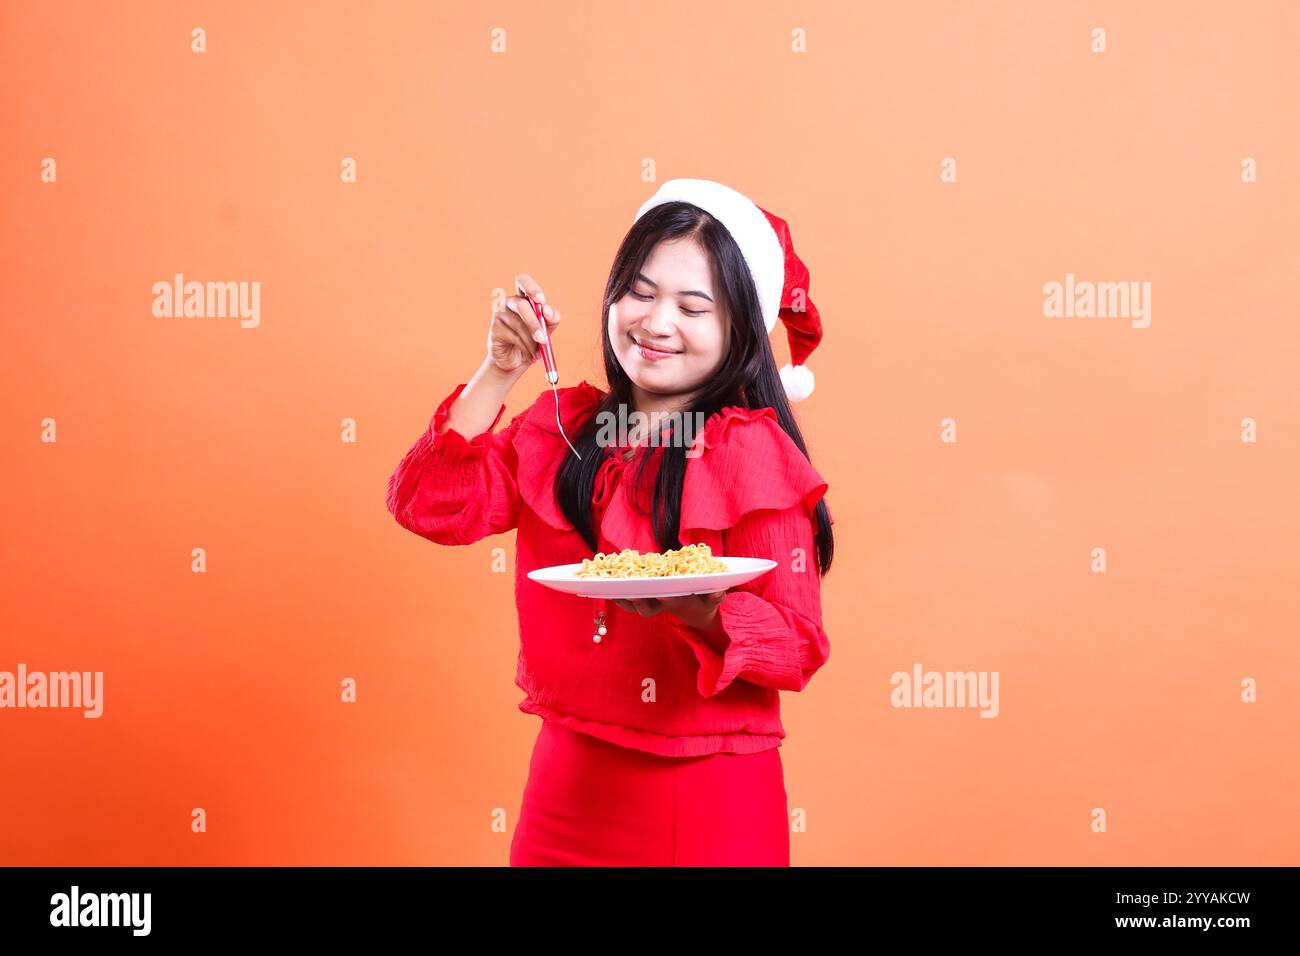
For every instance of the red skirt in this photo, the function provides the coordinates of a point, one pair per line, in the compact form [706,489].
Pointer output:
[589,802]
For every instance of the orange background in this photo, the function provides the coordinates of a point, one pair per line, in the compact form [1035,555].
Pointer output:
[1118,690]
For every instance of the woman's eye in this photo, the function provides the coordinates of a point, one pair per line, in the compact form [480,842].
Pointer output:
[646,298]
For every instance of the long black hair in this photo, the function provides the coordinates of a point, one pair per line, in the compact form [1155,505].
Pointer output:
[747,377]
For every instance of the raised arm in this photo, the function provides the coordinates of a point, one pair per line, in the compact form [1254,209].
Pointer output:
[458,482]
[456,487]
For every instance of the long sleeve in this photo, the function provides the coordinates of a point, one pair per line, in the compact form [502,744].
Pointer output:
[774,635]
[453,490]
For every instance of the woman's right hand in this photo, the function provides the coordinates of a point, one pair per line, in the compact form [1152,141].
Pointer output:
[514,338]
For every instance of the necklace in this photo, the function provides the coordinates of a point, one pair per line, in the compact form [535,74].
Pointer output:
[602,627]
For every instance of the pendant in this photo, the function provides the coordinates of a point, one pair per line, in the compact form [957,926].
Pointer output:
[601,630]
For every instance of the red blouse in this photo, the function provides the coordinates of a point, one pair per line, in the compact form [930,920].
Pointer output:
[652,683]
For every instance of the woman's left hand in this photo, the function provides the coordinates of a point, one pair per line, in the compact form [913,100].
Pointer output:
[695,610]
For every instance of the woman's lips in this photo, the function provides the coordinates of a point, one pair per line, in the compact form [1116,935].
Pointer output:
[652,354]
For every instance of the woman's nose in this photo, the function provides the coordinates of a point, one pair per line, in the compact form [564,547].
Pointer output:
[658,321]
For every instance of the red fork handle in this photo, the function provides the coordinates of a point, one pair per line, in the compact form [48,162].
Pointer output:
[548,357]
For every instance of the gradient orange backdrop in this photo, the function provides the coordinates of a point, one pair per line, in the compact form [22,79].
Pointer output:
[1119,691]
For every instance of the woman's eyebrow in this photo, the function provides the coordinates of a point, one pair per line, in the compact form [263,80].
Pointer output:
[648,280]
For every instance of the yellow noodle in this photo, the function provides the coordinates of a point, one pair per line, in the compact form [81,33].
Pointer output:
[691,559]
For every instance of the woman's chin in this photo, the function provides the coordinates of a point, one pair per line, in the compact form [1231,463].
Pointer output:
[650,377]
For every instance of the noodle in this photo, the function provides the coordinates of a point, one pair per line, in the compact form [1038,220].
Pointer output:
[691,559]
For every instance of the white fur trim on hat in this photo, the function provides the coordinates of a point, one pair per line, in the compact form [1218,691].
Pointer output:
[798,381]
[748,226]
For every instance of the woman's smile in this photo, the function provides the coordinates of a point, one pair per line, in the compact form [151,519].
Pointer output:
[651,353]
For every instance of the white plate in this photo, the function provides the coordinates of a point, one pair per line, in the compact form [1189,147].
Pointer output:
[739,571]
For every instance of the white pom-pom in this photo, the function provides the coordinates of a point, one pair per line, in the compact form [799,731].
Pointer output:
[798,381]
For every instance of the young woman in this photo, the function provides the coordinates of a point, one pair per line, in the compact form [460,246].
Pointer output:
[661,718]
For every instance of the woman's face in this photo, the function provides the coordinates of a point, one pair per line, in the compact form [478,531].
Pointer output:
[670,331]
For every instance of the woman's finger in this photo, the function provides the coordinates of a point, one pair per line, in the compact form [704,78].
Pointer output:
[524,321]
[648,607]
[694,601]
[506,330]
[527,285]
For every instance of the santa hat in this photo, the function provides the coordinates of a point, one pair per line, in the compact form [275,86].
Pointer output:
[779,275]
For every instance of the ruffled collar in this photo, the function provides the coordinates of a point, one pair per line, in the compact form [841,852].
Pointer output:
[578,402]
[716,425]
[541,450]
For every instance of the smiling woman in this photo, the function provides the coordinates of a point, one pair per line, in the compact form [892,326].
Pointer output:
[685,330]
[660,704]
[670,332]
